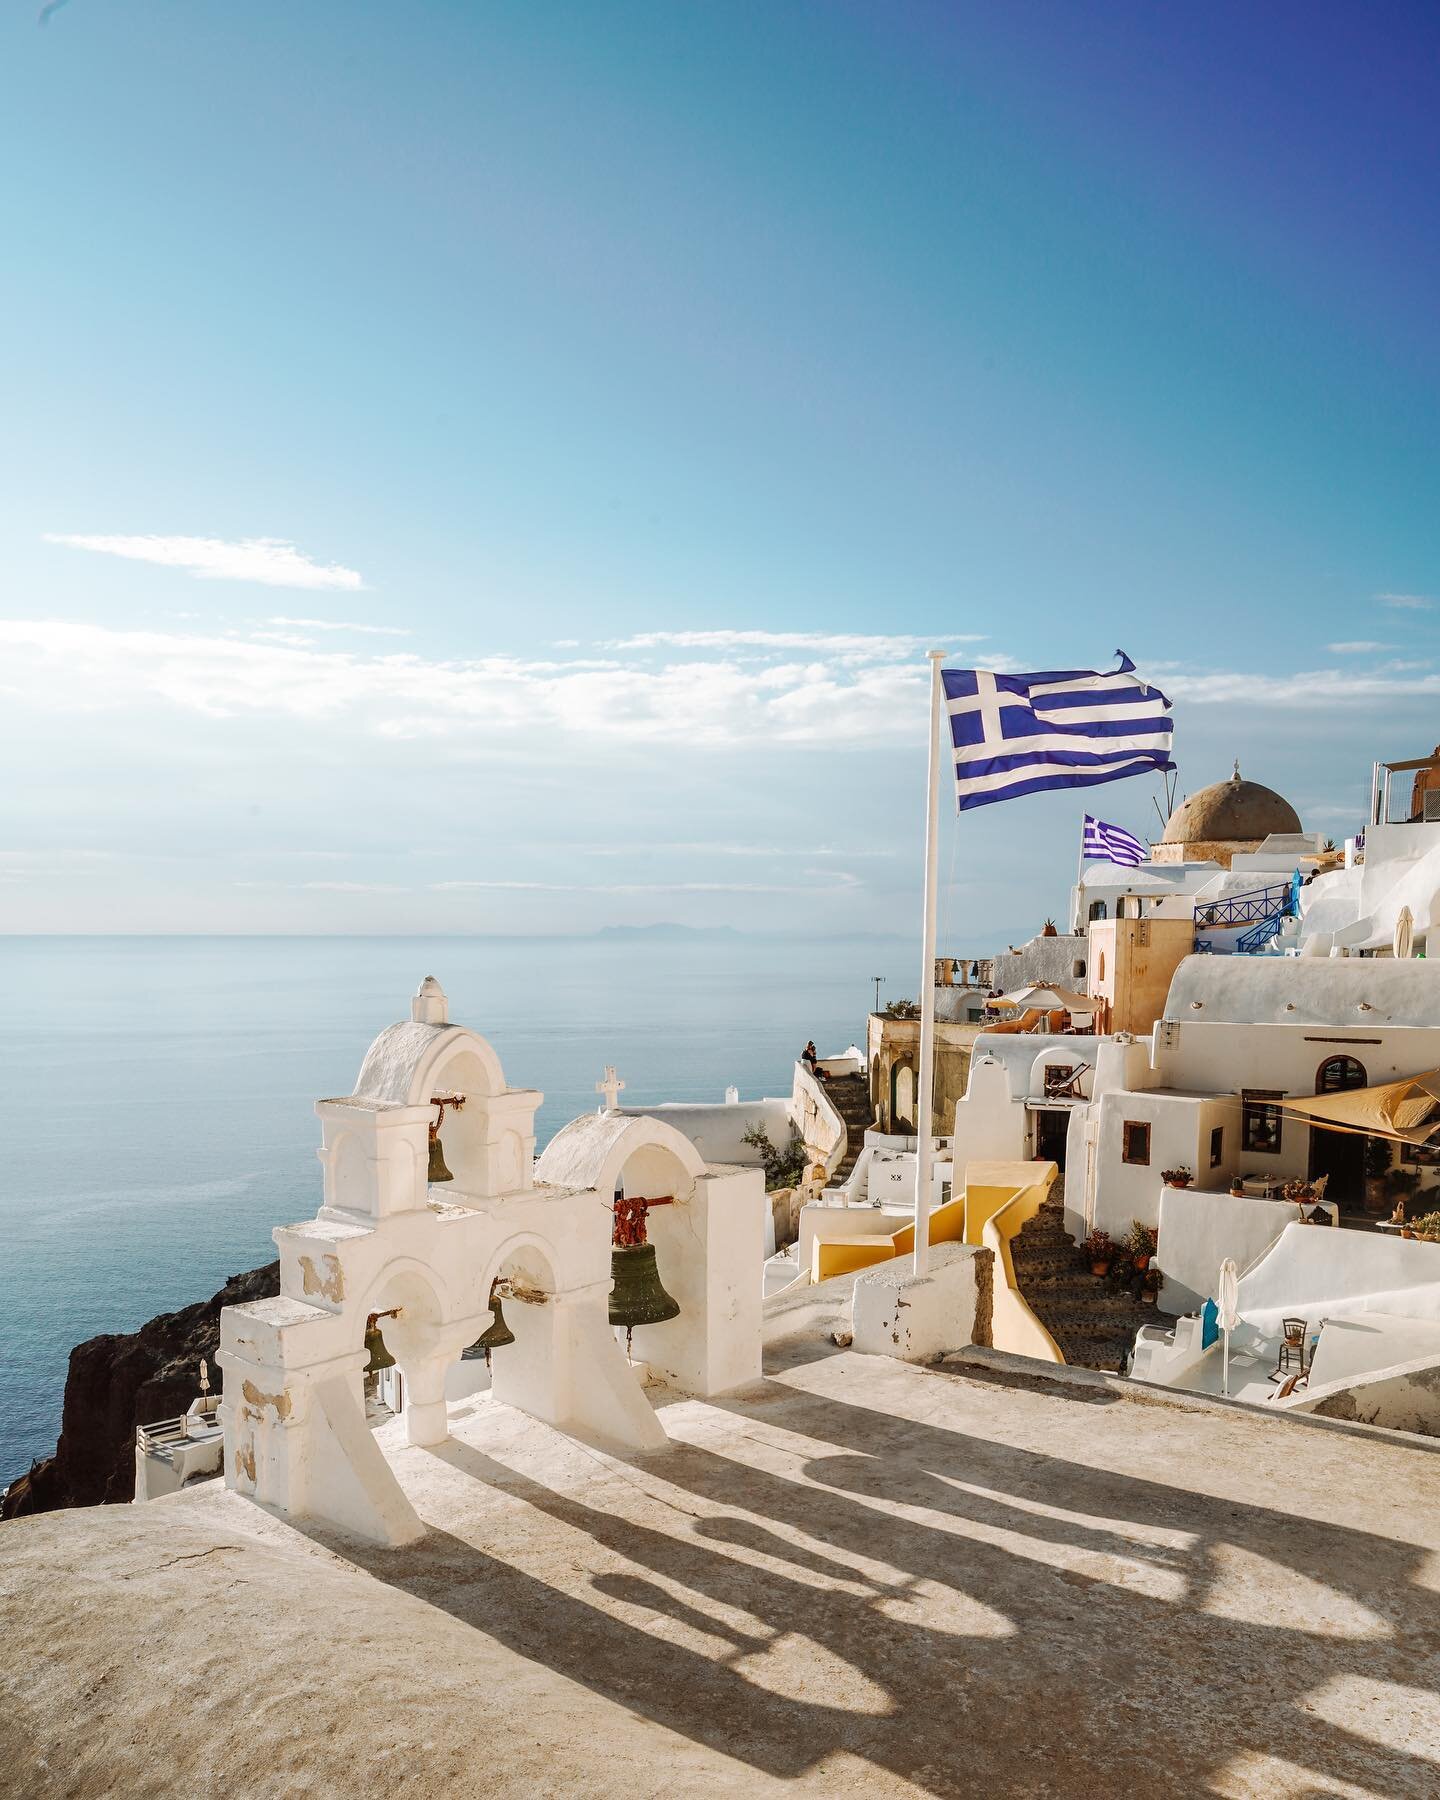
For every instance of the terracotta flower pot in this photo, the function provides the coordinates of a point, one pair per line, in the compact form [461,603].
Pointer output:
[1099,1268]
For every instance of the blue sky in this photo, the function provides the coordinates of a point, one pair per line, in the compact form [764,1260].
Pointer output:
[639,390]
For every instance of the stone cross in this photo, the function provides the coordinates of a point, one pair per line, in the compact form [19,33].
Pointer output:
[610,1087]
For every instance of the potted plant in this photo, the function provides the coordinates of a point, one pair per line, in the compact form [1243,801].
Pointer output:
[1427,1228]
[1400,1186]
[1181,1177]
[1141,1241]
[1099,1248]
[1377,1167]
[1237,1188]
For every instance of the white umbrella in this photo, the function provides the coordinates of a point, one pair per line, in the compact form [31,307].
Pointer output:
[1227,1307]
[1052,999]
[1404,940]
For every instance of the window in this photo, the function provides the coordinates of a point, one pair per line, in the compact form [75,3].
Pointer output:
[1136,1141]
[1260,1122]
[1077,971]
[1338,1074]
[1098,910]
[1217,1146]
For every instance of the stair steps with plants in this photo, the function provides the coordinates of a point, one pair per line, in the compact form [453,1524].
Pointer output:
[1092,1320]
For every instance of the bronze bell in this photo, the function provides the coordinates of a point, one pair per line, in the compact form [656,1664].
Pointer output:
[438,1171]
[496,1335]
[380,1357]
[637,1297]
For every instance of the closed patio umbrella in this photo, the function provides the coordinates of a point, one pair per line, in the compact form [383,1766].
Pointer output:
[1227,1306]
[1404,934]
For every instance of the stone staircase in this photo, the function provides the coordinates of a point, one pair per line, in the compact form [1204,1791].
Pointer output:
[850,1096]
[1093,1323]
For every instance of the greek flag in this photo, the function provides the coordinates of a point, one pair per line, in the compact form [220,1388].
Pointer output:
[1112,843]
[1024,734]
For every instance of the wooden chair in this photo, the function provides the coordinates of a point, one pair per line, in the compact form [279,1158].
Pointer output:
[1292,1347]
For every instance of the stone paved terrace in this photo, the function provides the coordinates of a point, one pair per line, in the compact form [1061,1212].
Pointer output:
[860,1577]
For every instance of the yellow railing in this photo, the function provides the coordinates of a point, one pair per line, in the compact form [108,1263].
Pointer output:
[1013,1326]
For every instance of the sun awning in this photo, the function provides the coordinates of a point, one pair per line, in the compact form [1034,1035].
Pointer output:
[1053,999]
[1407,1111]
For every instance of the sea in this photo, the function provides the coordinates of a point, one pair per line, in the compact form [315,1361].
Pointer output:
[156,1094]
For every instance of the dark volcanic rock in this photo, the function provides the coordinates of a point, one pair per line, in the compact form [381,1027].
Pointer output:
[118,1381]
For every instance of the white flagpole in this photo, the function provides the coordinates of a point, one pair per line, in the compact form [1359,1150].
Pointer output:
[1079,877]
[924,1157]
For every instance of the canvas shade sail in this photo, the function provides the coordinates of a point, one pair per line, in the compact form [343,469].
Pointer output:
[1407,1112]
[1052,998]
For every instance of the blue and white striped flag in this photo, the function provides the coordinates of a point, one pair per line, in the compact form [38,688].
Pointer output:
[1024,734]
[1112,843]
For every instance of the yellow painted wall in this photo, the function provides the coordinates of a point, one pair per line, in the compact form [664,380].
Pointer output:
[1131,962]
[839,1255]
[1013,1326]
[991,1185]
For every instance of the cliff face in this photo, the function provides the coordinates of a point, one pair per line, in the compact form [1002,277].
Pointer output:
[121,1380]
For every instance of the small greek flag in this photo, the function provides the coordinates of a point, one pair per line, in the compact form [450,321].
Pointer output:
[1023,734]
[1112,843]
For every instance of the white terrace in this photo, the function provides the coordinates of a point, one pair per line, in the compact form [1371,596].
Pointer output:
[856,1575]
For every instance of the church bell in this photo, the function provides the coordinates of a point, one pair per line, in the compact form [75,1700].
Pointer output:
[496,1335]
[438,1171]
[637,1297]
[379,1357]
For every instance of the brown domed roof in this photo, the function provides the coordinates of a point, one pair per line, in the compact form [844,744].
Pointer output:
[1234,811]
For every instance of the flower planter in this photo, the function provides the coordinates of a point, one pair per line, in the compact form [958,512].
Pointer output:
[1099,1268]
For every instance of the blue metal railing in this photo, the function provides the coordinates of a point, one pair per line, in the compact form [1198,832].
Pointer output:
[1264,910]
[1259,935]
[1248,908]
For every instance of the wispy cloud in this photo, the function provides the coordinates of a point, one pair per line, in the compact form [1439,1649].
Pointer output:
[1336,687]
[342,625]
[1408,602]
[1360,647]
[693,702]
[270,561]
[351,887]
[826,643]
[840,881]
[788,851]
[499,699]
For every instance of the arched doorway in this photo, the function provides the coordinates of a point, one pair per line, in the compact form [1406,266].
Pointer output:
[1339,1154]
[902,1098]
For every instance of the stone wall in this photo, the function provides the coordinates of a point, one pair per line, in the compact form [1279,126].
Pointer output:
[1405,1397]
[1043,959]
